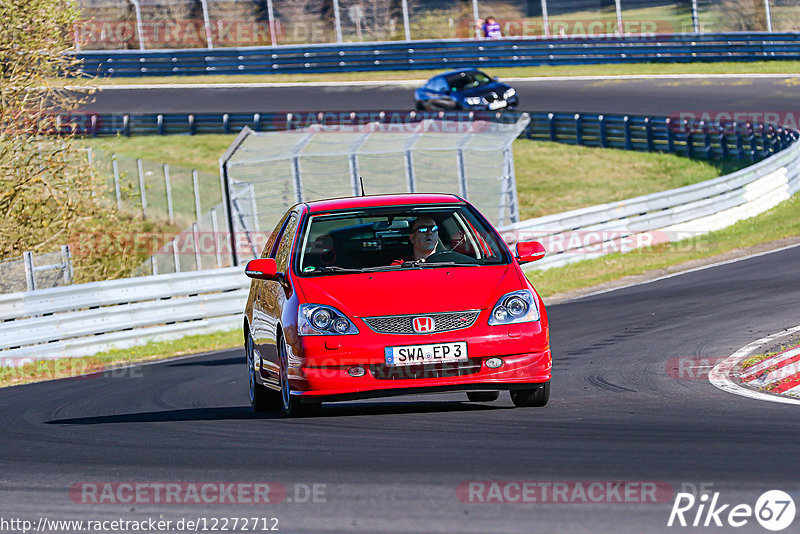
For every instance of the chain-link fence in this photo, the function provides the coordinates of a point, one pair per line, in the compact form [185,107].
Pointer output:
[165,24]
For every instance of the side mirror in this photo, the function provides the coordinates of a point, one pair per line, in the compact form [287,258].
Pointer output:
[528,251]
[262,269]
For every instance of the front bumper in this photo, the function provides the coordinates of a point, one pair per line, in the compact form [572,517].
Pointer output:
[319,364]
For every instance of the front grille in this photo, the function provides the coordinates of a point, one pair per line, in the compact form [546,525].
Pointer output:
[437,370]
[401,324]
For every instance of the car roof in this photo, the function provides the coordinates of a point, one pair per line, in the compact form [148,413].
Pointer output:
[374,201]
[458,71]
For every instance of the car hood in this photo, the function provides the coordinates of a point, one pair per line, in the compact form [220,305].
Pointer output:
[497,87]
[412,291]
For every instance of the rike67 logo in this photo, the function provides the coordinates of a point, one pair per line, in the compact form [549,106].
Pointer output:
[774,510]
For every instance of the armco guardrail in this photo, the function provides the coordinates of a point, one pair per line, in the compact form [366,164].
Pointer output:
[85,319]
[631,132]
[436,54]
[88,318]
[667,216]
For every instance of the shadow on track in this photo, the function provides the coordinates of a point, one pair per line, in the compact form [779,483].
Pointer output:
[245,412]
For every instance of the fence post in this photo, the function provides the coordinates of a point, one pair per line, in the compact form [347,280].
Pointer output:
[551,118]
[707,141]
[254,208]
[142,188]
[168,188]
[214,230]
[337,21]
[153,265]
[406,23]
[739,142]
[196,238]
[648,130]
[578,129]
[66,260]
[191,124]
[545,20]
[117,190]
[175,257]
[410,181]
[768,13]
[30,277]
[196,189]
[160,124]
[271,17]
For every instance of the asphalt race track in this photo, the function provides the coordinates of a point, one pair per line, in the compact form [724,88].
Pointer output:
[639,96]
[617,413]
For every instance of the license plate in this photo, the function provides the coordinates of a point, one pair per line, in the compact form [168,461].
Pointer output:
[426,354]
[498,104]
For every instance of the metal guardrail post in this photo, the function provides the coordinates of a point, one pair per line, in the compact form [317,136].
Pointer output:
[603,131]
[740,153]
[551,118]
[30,277]
[142,187]
[66,260]
[648,130]
[168,189]
[670,136]
[628,140]
[226,128]
[117,190]
[126,125]
[160,124]
[578,129]
[191,124]
[707,142]
[723,142]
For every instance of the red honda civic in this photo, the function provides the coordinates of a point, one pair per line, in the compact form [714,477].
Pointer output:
[391,295]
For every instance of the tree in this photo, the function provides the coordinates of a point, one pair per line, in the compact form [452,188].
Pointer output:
[48,194]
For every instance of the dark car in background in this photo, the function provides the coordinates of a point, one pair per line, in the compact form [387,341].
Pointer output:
[465,89]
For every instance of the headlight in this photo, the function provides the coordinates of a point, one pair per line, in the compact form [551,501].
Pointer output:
[320,320]
[474,100]
[515,307]
[509,93]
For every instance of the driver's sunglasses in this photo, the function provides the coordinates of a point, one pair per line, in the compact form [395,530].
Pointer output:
[427,229]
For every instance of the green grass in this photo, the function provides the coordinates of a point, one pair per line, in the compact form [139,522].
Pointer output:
[106,361]
[758,67]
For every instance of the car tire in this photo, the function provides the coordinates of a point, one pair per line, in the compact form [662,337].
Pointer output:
[262,399]
[523,398]
[291,406]
[483,396]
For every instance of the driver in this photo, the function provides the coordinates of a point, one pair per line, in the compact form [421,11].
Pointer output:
[424,236]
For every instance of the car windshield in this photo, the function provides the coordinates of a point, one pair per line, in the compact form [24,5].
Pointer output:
[467,80]
[380,239]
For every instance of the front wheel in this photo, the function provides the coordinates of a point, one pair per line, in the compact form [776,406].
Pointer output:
[262,399]
[291,406]
[531,397]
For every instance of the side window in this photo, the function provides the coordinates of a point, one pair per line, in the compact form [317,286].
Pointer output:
[440,84]
[285,246]
[273,237]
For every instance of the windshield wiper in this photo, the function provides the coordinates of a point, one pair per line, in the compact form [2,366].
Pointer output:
[336,268]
